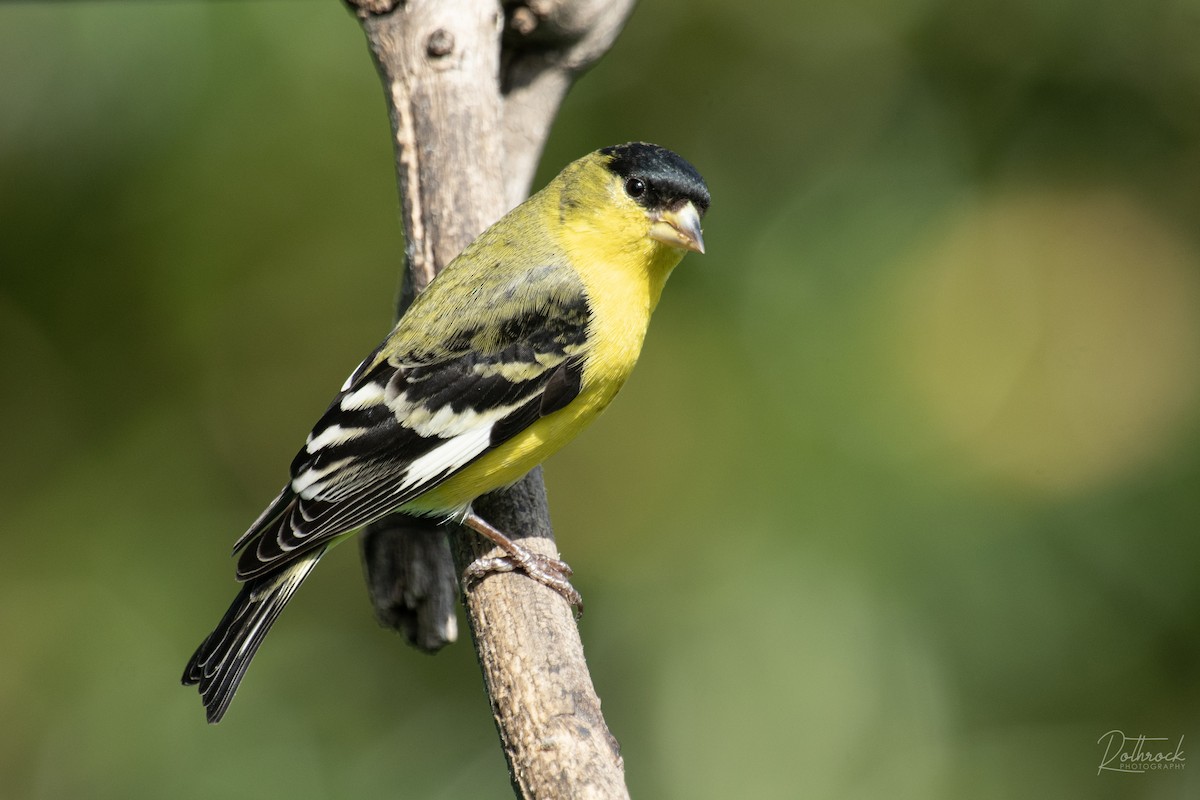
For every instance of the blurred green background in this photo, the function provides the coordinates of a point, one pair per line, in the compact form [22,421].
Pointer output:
[901,502]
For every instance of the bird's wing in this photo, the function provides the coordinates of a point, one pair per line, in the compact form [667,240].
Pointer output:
[406,421]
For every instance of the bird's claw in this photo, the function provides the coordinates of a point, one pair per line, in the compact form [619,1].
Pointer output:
[548,571]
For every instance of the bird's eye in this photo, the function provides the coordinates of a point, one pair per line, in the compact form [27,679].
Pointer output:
[635,187]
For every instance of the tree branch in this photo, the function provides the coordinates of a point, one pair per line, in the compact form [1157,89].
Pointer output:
[547,45]
[472,89]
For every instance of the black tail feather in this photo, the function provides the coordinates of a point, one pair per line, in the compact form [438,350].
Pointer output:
[221,660]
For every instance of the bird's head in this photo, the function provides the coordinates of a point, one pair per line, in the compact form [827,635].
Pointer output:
[667,190]
[642,195]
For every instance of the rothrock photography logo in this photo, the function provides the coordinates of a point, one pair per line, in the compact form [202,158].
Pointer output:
[1137,754]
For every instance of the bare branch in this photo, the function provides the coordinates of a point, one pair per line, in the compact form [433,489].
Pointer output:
[547,45]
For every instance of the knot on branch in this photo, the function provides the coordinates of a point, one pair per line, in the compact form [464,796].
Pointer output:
[550,23]
[368,8]
[439,44]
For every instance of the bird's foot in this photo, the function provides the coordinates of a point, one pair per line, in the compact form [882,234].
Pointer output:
[548,571]
[551,572]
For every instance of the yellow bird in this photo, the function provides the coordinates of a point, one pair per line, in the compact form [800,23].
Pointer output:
[520,342]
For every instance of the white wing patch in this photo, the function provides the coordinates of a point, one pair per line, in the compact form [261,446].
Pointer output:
[334,434]
[369,394]
[447,458]
[446,423]
[306,483]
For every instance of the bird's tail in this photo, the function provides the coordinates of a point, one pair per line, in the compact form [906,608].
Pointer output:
[221,660]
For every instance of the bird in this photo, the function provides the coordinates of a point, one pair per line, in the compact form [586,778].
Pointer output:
[512,349]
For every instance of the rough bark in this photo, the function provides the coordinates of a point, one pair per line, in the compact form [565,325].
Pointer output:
[472,88]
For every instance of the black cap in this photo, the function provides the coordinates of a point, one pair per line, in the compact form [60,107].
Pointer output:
[667,180]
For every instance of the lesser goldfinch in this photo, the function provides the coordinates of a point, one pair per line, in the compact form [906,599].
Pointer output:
[511,350]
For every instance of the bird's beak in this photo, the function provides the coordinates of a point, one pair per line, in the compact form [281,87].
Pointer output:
[679,227]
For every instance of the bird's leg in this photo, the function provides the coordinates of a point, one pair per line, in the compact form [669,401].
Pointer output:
[551,572]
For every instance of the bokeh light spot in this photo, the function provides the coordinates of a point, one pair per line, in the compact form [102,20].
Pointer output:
[1054,335]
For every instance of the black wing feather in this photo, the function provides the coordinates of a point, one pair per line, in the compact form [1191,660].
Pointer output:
[561,388]
[368,474]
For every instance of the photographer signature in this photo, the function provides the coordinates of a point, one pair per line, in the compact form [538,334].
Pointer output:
[1135,754]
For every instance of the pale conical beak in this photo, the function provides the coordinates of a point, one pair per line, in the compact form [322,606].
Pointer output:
[679,228]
